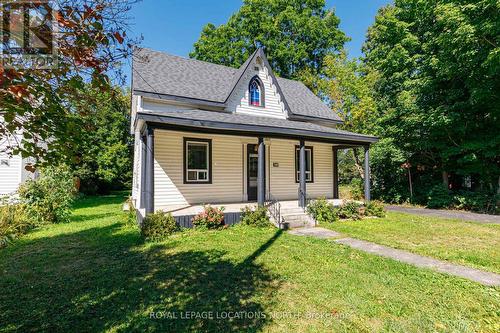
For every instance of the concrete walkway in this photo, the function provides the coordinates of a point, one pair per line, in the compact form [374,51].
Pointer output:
[485,278]
[449,214]
[315,232]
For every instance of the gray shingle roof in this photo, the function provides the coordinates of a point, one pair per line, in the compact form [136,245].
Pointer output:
[165,74]
[303,101]
[207,119]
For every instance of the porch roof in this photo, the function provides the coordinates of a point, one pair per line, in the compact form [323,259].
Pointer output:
[240,124]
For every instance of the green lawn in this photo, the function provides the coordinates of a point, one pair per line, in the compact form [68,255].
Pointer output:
[95,274]
[466,243]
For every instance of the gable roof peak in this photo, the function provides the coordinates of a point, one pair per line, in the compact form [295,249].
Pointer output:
[168,76]
[258,53]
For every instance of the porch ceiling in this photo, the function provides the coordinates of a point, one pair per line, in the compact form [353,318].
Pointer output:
[238,124]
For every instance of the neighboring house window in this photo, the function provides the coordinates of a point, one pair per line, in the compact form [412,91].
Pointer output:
[309,164]
[256,92]
[197,160]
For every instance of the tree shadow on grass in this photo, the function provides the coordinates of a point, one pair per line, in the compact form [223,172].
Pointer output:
[70,284]
[88,217]
[96,201]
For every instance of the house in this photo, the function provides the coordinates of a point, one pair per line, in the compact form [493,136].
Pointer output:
[211,134]
[12,167]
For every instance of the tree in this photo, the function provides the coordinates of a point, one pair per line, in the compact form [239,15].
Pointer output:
[438,86]
[37,102]
[296,35]
[104,155]
[348,88]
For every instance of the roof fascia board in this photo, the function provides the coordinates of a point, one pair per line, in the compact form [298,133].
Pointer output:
[240,76]
[180,99]
[259,130]
[191,105]
[275,81]
[318,120]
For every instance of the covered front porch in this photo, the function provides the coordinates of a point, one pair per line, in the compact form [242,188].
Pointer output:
[248,164]
[236,207]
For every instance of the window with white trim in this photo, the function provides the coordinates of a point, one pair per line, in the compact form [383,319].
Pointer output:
[309,164]
[197,160]
[256,92]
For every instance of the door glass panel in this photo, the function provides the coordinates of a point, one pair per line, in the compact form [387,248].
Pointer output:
[308,164]
[252,170]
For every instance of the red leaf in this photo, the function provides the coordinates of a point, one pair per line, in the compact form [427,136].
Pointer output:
[118,37]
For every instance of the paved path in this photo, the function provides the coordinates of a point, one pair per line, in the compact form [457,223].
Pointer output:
[315,232]
[485,278]
[450,214]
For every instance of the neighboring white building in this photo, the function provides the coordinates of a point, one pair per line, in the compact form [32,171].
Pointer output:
[12,168]
[206,133]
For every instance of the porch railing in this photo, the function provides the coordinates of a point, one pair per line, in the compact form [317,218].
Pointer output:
[274,208]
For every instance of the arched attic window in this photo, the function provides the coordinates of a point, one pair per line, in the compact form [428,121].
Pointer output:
[256,92]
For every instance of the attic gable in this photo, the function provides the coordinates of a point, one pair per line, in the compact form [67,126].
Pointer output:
[273,102]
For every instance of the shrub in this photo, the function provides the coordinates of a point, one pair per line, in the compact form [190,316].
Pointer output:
[374,208]
[158,225]
[357,188]
[477,201]
[13,223]
[210,218]
[48,199]
[322,211]
[255,218]
[131,216]
[350,210]
[439,197]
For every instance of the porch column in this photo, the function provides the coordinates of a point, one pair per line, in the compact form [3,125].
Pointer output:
[261,186]
[143,172]
[335,173]
[302,174]
[150,158]
[367,173]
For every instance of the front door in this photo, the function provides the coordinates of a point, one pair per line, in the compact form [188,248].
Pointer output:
[252,165]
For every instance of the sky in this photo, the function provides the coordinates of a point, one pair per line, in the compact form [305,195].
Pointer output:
[174,25]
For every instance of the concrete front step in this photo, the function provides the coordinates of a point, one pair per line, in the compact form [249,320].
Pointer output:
[297,210]
[295,217]
[297,220]
[296,225]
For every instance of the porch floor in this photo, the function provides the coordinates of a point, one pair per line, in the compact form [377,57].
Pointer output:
[237,206]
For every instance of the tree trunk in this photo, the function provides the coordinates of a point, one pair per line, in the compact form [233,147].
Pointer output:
[358,163]
[498,186]
[446,182]
[410,184]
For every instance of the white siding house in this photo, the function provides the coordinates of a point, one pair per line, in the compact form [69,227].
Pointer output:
[10,173]
[12,167]
[210,134]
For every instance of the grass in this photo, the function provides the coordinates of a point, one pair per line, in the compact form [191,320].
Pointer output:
[96,274]
[467,243]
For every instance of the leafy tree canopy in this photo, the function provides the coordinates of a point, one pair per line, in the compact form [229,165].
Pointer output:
[104,153]
[296,34]
[91,41]
[439,80]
